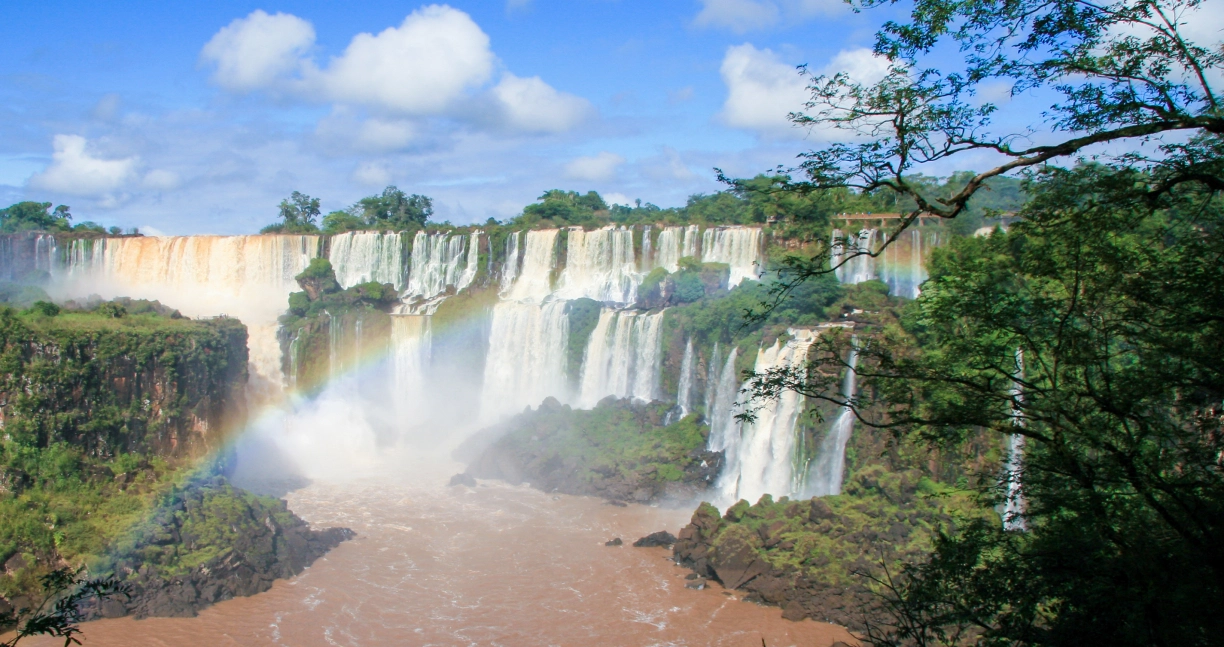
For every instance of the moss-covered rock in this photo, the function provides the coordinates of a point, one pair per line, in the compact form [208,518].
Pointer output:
[620,450]
[810,557]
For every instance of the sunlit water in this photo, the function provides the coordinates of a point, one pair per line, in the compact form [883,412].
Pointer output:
[491,565]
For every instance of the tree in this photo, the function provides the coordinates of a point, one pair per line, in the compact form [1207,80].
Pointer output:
[1094,330]
[298,214]
[34,216]
[394,209]
[1120,73]
[60,610]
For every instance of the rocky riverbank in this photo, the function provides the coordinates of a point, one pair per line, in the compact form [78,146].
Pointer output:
[620,451]
[211,542]
[810,556]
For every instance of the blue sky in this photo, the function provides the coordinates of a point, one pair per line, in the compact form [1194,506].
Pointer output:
[201,117]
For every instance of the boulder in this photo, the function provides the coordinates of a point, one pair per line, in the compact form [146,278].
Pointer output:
[615,542]
[463,479]
[656,539]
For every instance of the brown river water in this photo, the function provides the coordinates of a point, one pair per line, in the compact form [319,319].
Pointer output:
[491,565]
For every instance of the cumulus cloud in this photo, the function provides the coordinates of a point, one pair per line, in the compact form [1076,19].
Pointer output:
[418,68]
[531,105]
[258,51]
[594,168]
[436,63]
[75,171]
[161,180]
[742,16]
[762,90]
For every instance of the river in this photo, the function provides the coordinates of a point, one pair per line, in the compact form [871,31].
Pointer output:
[491,565]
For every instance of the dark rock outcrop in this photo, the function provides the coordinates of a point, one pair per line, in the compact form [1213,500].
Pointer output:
[463,479]
[615,542]
[656,539]
[245,543]
[807,556]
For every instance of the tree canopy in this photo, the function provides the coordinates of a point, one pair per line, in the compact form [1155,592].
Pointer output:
[35,216]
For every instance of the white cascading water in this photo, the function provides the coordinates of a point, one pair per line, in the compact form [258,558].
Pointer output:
[248,277]
[361,256]
[600,265]
[511,265]
[711,384]
[440,261]
[688,247]
[739,247]
[853,265]
[724,427]
[668,249]
[1013,508]
[684,390]
[411,350]
[526,361]
[763,462]
[622,357]
[534,279]
[829,469]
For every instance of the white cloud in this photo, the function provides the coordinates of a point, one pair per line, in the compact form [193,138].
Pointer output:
[861,64]
[161,180]
[371,174]
[74,171]
[737,15]
[512,5]
[531,105]
[425,67]
[594,168]
[345,131]
[750,15]
[617,198]
[761,91]
[258,51]
[418,68]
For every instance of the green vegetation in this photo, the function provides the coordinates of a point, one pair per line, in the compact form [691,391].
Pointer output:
[39,216]
[618,450]
[110,380]
[391,210]
[321,326]
[101,409]
[298,214]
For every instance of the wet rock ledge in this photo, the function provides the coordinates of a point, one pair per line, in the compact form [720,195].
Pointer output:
[211,542]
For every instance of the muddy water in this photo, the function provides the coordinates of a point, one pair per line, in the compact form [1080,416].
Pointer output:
[491,565]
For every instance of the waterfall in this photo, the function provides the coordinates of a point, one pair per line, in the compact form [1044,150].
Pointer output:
[669,248]
[724,428]
[739,247]
[441,261]
[333,345]
[829,470]
[622,357]
[684,391]
[527,353]
[511,266]
[854,268]
[1014,506]
[763,462]
[689,247]
[647,251]
[411,349]
[534,280]
[711,383]
[600,265]
[249,277]
[361,256]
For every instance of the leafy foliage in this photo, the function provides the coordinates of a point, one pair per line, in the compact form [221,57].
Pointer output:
[34,216]
[59,611]
[298,214]
[1107,287]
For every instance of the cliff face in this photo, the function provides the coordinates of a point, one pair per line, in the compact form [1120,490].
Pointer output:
[131,383]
